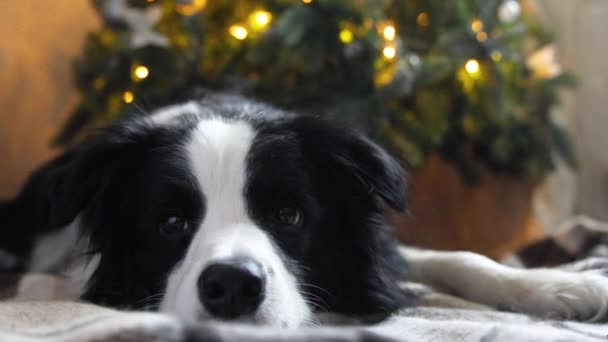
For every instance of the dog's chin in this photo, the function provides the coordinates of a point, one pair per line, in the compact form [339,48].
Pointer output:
[267,315]
[291,313]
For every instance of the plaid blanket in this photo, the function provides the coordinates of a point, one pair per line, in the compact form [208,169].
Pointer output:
[38,307]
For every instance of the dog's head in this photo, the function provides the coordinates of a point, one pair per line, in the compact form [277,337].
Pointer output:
[229,209]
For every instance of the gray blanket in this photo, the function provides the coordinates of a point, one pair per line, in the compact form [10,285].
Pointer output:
[36,307]
[30,315]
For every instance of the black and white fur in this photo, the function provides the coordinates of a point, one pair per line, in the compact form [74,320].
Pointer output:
[223,171]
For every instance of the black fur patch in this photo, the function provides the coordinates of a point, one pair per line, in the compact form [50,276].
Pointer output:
[346,254]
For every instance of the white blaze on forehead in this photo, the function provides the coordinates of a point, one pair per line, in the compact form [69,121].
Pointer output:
[217,152]
[169,115]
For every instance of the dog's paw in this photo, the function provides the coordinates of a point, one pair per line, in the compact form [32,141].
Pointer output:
[559,294]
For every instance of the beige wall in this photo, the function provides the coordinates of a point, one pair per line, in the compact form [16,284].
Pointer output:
[38,39]
[582,27]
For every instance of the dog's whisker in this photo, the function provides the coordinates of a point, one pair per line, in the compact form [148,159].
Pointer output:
[316,305]
[312,295]
[311,322]
[138,105]
[316,300]
[316,287]
[147,302]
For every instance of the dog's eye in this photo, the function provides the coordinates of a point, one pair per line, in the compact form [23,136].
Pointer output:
[174,226]
[289,216]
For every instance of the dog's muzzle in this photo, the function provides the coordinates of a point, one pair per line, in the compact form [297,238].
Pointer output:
[232,288]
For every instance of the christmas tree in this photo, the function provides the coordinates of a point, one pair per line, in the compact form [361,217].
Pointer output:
[474,81]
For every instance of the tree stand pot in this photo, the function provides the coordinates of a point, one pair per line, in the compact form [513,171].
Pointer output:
[446,213]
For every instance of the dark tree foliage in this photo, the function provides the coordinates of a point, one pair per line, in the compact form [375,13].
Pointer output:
[474,81]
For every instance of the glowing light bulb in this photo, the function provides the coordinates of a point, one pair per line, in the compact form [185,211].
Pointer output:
[472,66]
[389,52]
[423,19]
[389,32]
[346,36]
[191,8]
[128,96]
[306,1]
[477,25]
[261,18]
[496,56]
[140,72]
[238,32]
[482,36]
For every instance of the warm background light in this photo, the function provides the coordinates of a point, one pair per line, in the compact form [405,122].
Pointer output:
[261,18]
[128,96]
[141,72]
[496,56]
[472,66]
[389,32]
[477,25]
[389,52]
[36,80]
[346,36]
[423,19]
[238,32]
[191,8]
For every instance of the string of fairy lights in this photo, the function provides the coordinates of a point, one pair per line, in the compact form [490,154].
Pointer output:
[464,79]
[261,19]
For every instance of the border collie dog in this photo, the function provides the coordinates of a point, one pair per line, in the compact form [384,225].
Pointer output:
[224,208]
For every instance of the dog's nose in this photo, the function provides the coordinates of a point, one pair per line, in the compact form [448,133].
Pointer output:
[232,287]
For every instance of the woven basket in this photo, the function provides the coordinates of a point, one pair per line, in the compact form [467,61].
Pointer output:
[446,213]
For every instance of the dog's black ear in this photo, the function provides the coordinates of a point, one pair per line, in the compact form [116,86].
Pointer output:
[355,176]
[356,160]
[98,173]
[373,167]
[84,179]
[56,193]
[64,187]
